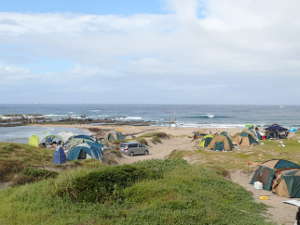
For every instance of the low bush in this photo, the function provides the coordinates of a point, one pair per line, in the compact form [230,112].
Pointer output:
[142,141]
[8,168]
[15,157]
[162,166]
[29,175]
[156,140]
[161,135]
[106,184]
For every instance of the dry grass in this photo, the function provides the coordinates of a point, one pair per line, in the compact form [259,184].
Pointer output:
[16,157]
[247,158]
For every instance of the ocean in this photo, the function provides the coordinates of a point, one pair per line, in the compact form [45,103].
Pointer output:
[202,116]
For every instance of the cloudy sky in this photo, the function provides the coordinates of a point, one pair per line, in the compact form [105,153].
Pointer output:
[158,51]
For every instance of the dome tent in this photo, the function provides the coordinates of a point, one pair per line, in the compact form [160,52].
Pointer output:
[59,156]
[82,136]
[51,139]
[276,131]
[245,139]
[34,141]
[221,142]
[267,171]
[287,184]
[78,139]
[249,126]
[114,136]
[206,141]
[85,150]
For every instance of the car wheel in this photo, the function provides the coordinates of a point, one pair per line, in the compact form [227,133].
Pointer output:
[146,152]
[131,154]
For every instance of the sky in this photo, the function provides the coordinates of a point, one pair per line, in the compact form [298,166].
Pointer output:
[159,51]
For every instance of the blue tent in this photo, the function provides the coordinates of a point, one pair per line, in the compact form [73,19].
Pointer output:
[82,136]
[59,156]
[85,150]
[276,131]
[77,140]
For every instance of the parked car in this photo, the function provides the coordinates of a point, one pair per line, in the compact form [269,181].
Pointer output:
[134,148]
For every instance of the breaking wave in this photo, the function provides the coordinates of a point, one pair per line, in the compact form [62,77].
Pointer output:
[130,118]
[206,116]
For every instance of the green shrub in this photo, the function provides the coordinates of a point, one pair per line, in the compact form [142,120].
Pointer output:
[35,172]
[99,186]
[15,157]
[8,168]
[155,140]
[161,135]
[29,175]
[116,153]
[162,166]
[142,141]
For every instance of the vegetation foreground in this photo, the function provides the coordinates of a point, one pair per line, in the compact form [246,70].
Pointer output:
[148,192]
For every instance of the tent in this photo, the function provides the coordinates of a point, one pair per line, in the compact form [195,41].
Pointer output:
[221,142]
[84,151]
[206,141]
[51,139]
[276,131]
[77,140]
[249,126]
[114,136]
[34,141]
[287,184]
[59,156]
[245,139]
[267,171]
[86,137]
[198,134]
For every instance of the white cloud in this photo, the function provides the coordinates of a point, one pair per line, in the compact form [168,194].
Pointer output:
[234,38]
[186,11]
[13,73]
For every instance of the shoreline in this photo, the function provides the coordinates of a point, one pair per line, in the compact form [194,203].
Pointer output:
[176,131]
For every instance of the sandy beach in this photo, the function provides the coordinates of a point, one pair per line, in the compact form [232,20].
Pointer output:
[174,131]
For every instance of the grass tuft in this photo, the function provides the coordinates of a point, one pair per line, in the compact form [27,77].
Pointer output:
[30,175]
[161,135]
[156,140]
[14,158]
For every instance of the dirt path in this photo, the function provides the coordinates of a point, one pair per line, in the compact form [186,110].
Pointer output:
[280,213]
[161,151]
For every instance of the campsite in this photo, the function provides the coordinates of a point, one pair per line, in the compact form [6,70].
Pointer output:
[161,112]
[223,161]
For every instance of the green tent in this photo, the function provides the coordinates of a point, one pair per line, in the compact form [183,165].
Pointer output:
[249,126]
[114,136]
[266,172]
[245,139]
[287,184]
[221,142]
[206,141]
[34,141]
